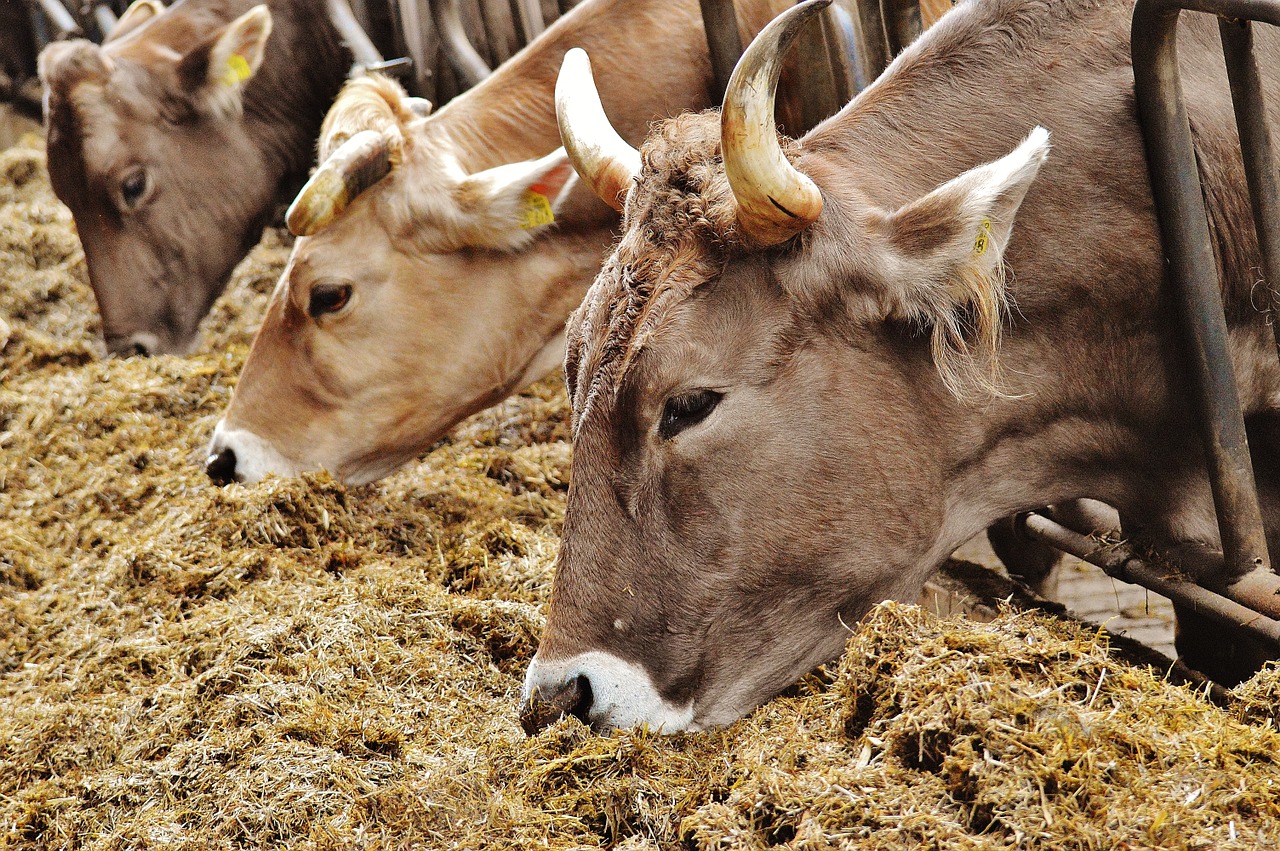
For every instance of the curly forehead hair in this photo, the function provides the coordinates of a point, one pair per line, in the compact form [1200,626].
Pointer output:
[679,227]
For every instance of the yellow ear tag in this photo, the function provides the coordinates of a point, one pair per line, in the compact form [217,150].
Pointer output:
[537,211]
[237,70]
[984,237]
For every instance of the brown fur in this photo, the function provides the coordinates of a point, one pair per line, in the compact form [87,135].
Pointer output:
[218,158]
[840,466]
[441,274]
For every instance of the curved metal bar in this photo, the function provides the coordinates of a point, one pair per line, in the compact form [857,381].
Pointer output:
[353,35]
[1175,185]
[453,39]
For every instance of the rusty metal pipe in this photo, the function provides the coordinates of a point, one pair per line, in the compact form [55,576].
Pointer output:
[1175,185]
[466,62]
[1258,152]
[1119,561]
[723,40]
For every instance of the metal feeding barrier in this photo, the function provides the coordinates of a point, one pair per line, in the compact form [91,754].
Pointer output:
[439,48]
[1237,587]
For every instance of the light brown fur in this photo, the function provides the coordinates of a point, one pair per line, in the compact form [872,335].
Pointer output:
[218,157]
[840,467]
[455,305]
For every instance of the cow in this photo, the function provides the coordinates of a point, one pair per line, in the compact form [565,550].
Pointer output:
[174,143]
[811,368]
[438,257]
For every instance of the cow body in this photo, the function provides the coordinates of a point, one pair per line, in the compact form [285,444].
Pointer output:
[455,299]
[772,437]
[173,144]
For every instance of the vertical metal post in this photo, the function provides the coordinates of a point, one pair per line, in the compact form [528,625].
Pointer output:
[528,15]
[1258,153]
[1175,185]
[873,51]
[723,40]
[901,23]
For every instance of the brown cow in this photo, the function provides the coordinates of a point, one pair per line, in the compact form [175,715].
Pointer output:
[174,142]
[445,285]
[792,394]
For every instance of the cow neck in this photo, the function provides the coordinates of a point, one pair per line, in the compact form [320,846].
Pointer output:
[288,99]
[642,54]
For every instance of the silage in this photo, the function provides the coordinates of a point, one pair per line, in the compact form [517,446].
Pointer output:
[302,664]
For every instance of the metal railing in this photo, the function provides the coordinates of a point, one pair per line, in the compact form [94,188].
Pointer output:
[1236,588]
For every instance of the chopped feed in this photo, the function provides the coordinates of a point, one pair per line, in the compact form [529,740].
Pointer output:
[301,664]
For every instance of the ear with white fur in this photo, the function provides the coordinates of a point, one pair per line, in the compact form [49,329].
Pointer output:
[946,266]
[219,68]
[503,207]
[138,13]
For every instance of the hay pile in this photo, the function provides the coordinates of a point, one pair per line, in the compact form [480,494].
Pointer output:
[301,664]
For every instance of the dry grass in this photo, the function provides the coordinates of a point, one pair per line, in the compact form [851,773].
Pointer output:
[300,664]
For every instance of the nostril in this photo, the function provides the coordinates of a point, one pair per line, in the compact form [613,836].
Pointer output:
[582,707]
[221,466]
[136,350]
[543,707]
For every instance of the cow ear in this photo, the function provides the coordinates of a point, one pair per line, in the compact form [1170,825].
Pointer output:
[507,204]
[218,68]
[946,254]
[138,13]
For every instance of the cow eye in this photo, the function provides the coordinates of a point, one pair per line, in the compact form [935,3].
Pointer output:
[328,298]
[687,409]
[132,187]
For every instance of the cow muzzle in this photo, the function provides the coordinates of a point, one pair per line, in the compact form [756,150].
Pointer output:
[134,345]
[238,455]
[599,689]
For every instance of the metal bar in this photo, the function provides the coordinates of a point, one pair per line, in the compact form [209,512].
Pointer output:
[104,18]
[1258,152]
[1119,561]
[873,47]
[901,23]
[723,40]
[1175,186]
[817,77]
[528,14]
[59,17]
[353,35]
[464,59]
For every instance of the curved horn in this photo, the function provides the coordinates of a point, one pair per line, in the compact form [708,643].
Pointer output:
[602,158]
[357,164]
[775,200]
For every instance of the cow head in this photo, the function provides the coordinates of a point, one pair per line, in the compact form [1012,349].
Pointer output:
[141,134]
[416,294]
[762,379]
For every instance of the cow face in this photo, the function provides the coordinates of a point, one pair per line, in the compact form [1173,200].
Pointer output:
[415,301]
[141,134]
[764,422]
